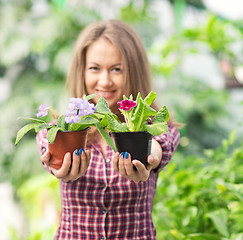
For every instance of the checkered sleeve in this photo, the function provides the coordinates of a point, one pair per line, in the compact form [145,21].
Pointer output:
[42,145]
[42,142]
[169,142]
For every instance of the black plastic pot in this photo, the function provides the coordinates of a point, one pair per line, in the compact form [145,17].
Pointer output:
[138,144]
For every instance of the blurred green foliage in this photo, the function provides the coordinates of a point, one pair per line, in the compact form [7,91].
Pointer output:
[199,194]
[36,48]
[41,202]
[202,197]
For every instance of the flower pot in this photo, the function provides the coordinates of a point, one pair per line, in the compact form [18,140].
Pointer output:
[66,141]
[138,144]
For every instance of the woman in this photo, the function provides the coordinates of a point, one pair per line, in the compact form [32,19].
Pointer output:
[103,197]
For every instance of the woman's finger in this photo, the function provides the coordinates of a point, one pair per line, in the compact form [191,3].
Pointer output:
[142,170]
[64,170]
[128,165]
[153,162]
[45,158]
[121,165]
[75,165]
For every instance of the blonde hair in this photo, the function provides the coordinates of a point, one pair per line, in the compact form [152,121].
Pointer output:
[137,75]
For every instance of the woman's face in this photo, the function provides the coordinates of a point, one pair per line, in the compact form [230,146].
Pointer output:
[104,72]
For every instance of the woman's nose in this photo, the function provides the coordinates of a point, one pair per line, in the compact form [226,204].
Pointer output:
[104,79]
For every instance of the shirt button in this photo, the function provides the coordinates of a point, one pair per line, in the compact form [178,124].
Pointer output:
[108,160]
[104,211]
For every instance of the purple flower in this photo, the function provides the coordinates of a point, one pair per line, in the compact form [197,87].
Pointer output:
[71,116]
[42,111]
[86,109]
[76,102]
[127,104]
[77,108]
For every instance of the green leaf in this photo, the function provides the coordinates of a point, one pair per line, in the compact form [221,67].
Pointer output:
[177,234]
[83,123]
[88,97]
[97,115]
[106,136]
[61,123]
[102,106]
[138,98]
[51,134]
[24,130]
[104,121]
[202,236]
[78,127]
[220,219]
[237,237]
[42,126]
[115,126]
[237,189]
[32,119]
[142,112]
[115,117]
[125,98]
[88,120]
[161,116]
[150,98]
[157,128]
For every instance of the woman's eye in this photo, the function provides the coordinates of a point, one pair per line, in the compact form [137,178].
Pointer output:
[94,68]
[116,69]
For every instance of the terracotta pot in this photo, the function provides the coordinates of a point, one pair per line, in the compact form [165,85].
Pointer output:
[138,144]
[66,141]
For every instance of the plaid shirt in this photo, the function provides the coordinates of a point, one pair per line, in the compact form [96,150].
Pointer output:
[104,205]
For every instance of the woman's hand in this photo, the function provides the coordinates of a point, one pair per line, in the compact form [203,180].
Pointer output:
[70,171]
[123,164]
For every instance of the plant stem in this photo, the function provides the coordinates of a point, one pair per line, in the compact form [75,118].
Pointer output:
[53,113]
[129,123]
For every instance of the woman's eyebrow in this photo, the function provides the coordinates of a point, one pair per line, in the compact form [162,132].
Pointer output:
[93,63]
[118,64]
[114,65]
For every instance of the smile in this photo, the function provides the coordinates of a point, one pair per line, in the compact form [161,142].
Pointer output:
[106,94]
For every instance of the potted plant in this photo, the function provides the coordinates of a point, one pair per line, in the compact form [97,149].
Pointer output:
[141,123]
[66,132]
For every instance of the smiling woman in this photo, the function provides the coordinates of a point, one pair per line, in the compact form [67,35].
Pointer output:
[103,72]
[110,199]
[121,40]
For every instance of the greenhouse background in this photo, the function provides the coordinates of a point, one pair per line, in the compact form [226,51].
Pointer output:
[195,48]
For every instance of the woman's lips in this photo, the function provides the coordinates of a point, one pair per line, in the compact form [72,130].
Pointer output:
[106,94]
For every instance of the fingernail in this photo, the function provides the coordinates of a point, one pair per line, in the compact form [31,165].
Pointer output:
[81,150]
[122,154]
[126,155]
[77,152]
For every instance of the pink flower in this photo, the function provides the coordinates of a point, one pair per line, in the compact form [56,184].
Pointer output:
[127,104]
